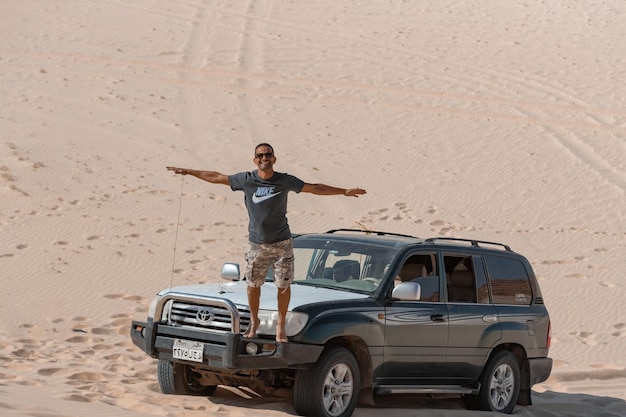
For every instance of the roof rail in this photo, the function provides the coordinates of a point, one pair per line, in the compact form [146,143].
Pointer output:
[370,232]
[473,242]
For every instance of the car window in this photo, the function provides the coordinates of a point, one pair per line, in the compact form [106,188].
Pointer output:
[343,265]
[422,269]
[509,281]
[460,278]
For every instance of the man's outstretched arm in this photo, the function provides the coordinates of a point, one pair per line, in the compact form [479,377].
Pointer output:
[209,176]
[323,189]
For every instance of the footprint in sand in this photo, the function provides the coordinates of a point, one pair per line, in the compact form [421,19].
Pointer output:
[103,346]
[25,353]
[78,398]
[102,331]
[87,377]
[7,377]
[114,296]
[619,327]
[116,368]
[379,211]
[53,371]
[78,339]
[586,338]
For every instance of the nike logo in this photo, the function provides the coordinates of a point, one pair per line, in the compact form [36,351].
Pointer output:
[263,193]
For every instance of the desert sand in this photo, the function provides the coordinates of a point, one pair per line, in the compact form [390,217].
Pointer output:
[502,121]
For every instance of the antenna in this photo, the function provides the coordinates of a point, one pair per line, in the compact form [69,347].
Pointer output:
[180,205]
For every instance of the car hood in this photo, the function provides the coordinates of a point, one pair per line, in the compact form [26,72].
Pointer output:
[237,293]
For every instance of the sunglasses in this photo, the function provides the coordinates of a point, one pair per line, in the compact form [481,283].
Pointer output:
[266,154]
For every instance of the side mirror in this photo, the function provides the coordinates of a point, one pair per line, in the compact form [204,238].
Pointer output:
[230,271]
[407,291]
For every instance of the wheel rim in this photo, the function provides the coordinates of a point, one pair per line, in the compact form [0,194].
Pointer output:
[502,387]
[338,389]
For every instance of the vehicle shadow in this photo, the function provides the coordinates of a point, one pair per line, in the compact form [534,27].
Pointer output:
[545,404]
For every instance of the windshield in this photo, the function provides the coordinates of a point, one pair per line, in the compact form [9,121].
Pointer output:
[353,266]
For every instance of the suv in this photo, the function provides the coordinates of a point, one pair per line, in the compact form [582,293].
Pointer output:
[371,313]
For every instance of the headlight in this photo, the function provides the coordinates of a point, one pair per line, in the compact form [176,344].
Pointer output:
[153,306]
[295,322]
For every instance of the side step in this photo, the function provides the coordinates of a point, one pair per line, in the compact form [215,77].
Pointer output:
[426,389]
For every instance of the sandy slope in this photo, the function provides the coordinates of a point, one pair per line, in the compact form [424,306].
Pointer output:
[502,122]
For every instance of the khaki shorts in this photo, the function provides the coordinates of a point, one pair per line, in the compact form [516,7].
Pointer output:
[261,256]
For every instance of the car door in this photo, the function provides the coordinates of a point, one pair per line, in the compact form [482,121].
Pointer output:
[474,326]
[416,332]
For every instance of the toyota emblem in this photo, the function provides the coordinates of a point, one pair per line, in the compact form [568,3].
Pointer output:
[204,315]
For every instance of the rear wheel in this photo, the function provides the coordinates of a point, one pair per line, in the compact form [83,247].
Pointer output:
[500,385]
[330,388]
[180,379]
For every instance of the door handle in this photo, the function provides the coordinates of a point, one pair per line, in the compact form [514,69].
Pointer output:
[438,317]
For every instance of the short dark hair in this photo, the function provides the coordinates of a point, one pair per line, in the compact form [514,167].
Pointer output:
[263,144]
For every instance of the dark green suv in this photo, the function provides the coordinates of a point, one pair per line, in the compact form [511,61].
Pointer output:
[371,313]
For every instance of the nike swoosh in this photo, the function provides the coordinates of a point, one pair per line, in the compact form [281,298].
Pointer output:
[257,199]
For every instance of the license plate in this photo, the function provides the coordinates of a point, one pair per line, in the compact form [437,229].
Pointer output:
[188,350]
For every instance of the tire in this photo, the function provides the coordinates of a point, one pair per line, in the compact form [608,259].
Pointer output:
[330,388]
[179,379]
[499,385]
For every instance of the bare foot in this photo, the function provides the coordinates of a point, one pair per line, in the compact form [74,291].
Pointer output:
[281,333]
[251,332]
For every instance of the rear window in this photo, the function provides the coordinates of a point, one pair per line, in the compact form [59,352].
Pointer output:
[509,281]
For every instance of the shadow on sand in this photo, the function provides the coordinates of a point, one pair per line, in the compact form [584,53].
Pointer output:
[545,404]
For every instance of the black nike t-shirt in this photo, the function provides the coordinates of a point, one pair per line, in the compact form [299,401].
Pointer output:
[266,201]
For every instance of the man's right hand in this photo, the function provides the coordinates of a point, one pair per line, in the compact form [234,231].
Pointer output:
[181,171]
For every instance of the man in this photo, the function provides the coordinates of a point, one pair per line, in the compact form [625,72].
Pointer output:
[269,234]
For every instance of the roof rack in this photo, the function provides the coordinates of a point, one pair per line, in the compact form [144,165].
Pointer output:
[370,232]
[473,242]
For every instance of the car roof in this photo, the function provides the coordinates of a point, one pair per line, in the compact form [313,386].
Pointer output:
[402,241]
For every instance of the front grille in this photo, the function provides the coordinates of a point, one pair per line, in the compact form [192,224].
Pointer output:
[206,316]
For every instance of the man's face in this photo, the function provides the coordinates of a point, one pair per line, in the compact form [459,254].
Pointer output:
[264,157]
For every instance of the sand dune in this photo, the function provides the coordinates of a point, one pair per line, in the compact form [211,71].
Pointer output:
[502,122]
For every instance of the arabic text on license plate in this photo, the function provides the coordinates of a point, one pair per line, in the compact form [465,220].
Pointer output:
[187,350]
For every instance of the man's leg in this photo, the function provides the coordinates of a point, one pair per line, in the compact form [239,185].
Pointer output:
[254,296]
[284,296]
[257,257]
[283,275]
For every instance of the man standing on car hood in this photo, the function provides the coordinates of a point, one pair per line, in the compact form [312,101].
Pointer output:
[269,234]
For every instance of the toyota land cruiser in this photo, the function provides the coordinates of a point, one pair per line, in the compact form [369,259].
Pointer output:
[371,313]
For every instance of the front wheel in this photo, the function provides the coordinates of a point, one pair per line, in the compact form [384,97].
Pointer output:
[180,379]
[500,385]
[330,388]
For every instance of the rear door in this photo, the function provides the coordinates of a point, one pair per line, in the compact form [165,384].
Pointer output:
[473,320]
[522,321]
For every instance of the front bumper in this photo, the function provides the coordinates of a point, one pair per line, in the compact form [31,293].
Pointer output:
[222,350]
